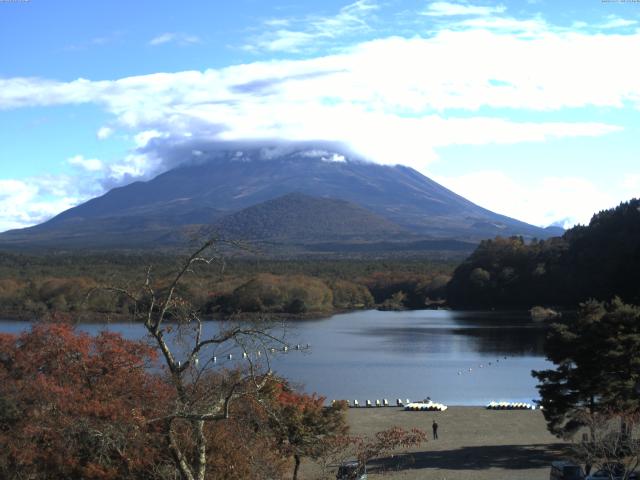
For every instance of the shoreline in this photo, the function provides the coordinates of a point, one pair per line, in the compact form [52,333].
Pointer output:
[101,317]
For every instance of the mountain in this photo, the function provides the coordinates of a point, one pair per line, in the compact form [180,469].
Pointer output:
[554,231]
[247,193]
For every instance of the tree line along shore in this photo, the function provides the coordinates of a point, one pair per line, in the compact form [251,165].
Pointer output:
[37,286]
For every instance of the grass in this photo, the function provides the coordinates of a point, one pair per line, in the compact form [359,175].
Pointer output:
[474,443]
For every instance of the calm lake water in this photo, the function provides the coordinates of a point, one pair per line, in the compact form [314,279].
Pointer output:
[457,358]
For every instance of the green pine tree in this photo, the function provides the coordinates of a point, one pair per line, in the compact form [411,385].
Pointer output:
[597,358]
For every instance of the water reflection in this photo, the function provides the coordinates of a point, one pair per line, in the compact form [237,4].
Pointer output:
[486,333]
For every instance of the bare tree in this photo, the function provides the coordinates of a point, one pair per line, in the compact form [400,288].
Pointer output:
[390,447]
[191,354]
[612,444]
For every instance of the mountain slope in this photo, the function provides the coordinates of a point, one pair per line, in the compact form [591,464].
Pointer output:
[228,182]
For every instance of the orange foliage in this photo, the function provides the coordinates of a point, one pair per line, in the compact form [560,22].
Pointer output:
[76,406]
[244,446]
[304,426]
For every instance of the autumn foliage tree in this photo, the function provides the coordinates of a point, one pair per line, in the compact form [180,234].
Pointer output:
[303,425]
[244,446]
[77,406]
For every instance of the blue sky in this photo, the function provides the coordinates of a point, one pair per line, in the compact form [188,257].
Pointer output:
[529,108]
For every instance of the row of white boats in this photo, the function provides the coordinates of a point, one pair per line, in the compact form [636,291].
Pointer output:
[426,405]
[430,406]
[511,406]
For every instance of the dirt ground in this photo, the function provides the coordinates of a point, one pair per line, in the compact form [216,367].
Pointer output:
[474,443]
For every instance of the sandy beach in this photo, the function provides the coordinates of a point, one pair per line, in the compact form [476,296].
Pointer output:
[474,443]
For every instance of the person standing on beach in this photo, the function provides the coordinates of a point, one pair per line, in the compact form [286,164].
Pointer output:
[434,427]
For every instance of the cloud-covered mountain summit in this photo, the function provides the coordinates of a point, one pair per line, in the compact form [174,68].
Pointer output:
[233,189]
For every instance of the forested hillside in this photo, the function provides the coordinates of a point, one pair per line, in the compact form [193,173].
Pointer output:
[38,286]
[298,217]
[601,260]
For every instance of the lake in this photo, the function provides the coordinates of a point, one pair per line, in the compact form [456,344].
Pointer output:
[457,358]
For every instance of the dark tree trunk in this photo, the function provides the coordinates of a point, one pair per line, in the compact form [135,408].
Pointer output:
[296,467]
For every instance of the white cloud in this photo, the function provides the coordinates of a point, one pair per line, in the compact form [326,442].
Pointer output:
[394,100]
[571,200]
[282,41]
[451,70]
[174,37]
[609,22]
[132,166]
[88,164]
[277,22]
[631,183]
[143,138]
[616,22]
[448,9]
[526,28]
[23,203]
[313,29]
[388,99]
[104,132]
[34,200]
